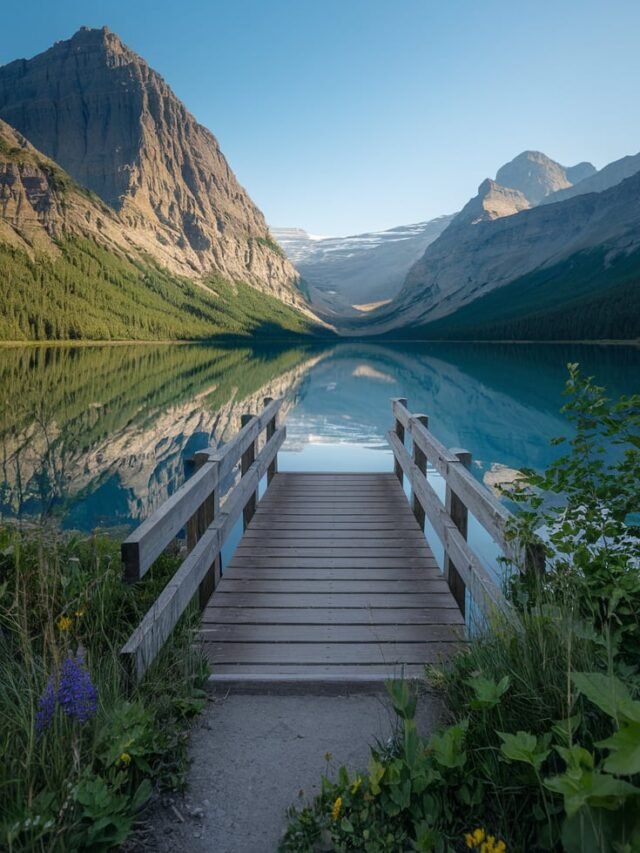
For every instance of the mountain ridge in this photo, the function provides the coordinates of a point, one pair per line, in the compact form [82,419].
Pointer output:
[109,120]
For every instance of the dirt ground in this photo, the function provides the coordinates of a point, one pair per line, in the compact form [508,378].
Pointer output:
[254,755]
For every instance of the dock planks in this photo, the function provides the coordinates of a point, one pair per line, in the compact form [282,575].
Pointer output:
[332,581]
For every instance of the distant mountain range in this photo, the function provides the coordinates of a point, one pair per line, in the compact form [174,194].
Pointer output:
[542,251]
[536,259]
[345,276]
[102,167]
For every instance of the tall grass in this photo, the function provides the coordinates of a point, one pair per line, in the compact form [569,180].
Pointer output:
[70,784]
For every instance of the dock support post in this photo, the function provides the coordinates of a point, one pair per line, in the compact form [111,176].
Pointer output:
[420,461]
[399,430]
[272,470]
[247,460]
[196,527]
[460,516]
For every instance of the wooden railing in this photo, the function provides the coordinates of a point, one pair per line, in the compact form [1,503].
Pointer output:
[196,507]
[464,494]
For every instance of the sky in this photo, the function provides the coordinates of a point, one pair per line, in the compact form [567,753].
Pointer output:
[344,116]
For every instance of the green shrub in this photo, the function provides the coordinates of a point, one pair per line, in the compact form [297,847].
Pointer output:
[80,752]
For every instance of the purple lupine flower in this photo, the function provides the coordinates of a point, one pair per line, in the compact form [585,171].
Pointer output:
[74,692]
[77,696]
[46,705]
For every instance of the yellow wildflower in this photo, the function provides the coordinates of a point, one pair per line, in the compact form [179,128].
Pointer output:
[64,623]
[125,759]
[80,613]
[335,811]
[479,840]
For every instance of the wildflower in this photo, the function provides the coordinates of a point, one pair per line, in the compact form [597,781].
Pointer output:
[479,840]
[77,696]
[46,705]
[80,613]
[475,838]
[125,759]
[335,811]
[64,623]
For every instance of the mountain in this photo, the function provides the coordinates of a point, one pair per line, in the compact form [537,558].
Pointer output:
[345,276]
[536,176]
[71,270]
[607,177]
[576,248]
[493,201]
[97,110]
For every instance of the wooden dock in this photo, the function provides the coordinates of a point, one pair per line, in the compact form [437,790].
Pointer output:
[333,580]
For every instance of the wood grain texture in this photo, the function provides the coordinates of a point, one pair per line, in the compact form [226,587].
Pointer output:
[333,578]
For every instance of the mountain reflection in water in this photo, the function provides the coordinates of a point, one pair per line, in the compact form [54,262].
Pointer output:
[99,435]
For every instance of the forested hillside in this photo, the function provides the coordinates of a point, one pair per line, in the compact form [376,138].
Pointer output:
[586,297]
[88,292]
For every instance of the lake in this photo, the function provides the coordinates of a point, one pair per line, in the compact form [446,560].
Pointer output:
[98,436]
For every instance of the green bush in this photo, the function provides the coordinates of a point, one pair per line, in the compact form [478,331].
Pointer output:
[80,751]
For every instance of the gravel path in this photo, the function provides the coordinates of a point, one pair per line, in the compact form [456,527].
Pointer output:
[255,755]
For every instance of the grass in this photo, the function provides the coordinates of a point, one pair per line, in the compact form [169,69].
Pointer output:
[75,783]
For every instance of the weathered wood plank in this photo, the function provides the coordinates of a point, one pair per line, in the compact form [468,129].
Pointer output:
[270,633]
[340,586]
[326,550]
[231,615]
[354,600]
[330,653]
[330,562]
[392,573]
[239,673]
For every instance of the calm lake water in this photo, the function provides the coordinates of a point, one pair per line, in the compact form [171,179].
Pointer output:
[99,435]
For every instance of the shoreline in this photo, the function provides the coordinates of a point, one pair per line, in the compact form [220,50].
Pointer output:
[252,341]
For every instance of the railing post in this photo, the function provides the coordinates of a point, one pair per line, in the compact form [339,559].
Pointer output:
[271,428]
[420,461]
[196,527]
[459,514]
[247,460]
[399,431]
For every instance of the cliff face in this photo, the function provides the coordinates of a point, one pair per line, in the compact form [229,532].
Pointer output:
[115,126]
[466,263]
[492,202]
[40,203]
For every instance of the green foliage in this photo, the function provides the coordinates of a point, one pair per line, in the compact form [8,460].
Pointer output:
[90,293]
[70,785]
[584,502]
[271,244]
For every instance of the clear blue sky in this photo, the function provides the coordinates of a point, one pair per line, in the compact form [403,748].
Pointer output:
[347,115]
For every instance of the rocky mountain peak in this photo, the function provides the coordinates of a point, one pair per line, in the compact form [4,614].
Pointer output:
[493,201]
[536,176]
[98,110]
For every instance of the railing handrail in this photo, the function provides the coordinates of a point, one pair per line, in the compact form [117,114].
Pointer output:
[145,544]
[464,494]
[198,508]
[490,513]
